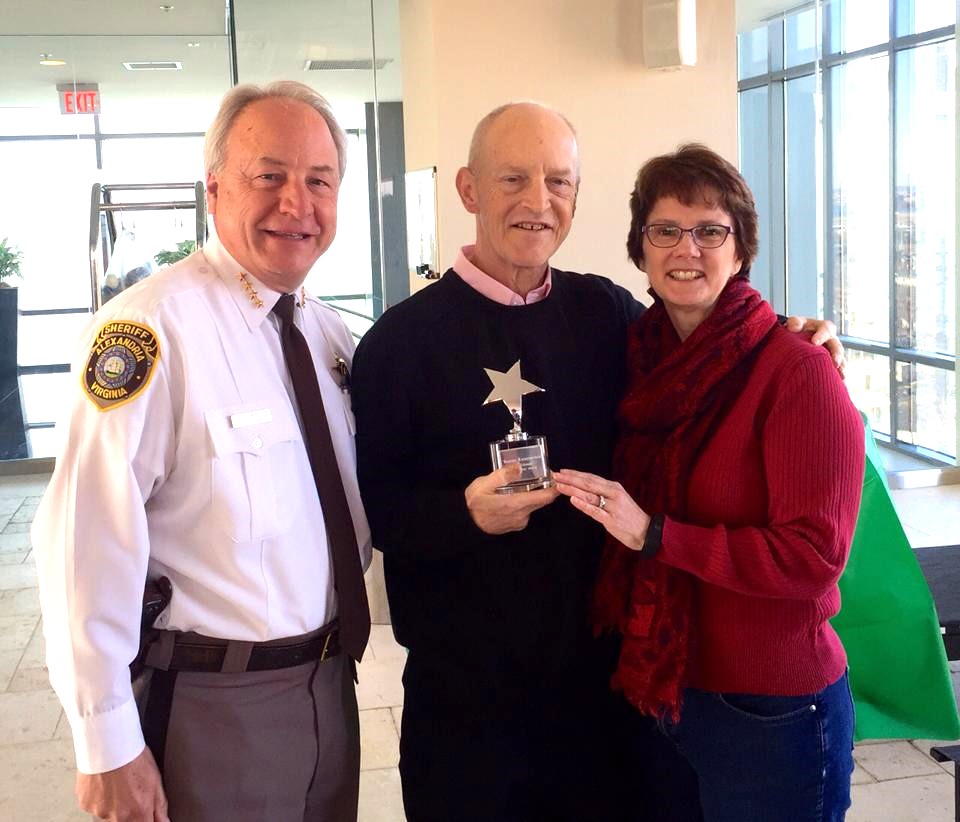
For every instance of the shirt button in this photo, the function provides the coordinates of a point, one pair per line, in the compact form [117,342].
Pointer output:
[257,442]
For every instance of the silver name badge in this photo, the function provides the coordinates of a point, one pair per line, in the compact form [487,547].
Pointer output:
[244,419]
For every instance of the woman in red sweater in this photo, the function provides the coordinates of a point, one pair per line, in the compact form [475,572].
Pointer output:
[736,486]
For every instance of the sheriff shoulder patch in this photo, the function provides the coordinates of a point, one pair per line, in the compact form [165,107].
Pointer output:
[121,363]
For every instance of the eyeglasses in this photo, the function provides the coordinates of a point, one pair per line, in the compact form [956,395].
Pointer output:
[664,235]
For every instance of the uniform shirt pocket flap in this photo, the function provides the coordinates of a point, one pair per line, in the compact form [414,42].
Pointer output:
[248,429]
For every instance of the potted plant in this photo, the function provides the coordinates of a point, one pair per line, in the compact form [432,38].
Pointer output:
[10,259]
[13,442]
[184,249]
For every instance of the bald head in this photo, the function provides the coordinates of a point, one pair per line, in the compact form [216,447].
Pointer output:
[521,184]
[491,128]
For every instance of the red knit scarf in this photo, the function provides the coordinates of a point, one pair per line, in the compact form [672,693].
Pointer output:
[677,396]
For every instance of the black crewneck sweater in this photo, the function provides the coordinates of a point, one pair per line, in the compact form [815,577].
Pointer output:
[508,612]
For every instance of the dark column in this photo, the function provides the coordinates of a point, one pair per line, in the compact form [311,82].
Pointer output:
[13,436]
[396,276]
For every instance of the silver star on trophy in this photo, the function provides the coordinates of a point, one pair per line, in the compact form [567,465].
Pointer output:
[530,452]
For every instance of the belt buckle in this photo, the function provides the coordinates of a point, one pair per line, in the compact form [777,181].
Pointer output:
[326,645]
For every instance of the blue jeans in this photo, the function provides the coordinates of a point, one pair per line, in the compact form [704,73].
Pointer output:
[769,758]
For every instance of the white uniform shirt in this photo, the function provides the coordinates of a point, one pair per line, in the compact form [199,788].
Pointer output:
[202,476]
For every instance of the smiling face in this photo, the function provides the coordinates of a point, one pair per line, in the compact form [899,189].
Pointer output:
[687,278]
[274,200]
[522,187]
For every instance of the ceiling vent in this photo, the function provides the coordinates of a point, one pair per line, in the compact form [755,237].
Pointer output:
[154,65]
[344,65]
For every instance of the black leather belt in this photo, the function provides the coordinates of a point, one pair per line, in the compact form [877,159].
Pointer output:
[209,657]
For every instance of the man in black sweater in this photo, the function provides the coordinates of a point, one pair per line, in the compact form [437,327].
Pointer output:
[507,712]
[506,706]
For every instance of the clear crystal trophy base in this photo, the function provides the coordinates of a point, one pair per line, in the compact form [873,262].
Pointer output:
[530,453]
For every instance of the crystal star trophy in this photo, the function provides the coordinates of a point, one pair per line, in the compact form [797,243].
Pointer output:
[529,452]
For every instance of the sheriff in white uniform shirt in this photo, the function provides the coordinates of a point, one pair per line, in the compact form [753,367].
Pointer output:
[184,458]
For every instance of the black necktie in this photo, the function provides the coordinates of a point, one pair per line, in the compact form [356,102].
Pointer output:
[347,571]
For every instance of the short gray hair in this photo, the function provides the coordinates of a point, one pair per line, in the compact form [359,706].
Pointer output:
[480,132]
[239,97]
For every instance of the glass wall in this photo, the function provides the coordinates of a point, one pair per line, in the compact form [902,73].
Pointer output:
[859,109]
[159,73]
[349,50]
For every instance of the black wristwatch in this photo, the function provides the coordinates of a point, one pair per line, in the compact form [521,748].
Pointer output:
[654,538]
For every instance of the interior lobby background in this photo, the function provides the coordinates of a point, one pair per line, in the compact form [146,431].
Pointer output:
[424,71]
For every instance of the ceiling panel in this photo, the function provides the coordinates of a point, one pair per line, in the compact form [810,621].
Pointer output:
[110,17]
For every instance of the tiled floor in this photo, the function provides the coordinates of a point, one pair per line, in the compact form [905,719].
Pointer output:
[930,516]
[895,781]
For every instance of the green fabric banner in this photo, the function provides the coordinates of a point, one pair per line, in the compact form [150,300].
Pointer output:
[889,627]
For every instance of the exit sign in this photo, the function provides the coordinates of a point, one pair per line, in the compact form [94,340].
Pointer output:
[82,98]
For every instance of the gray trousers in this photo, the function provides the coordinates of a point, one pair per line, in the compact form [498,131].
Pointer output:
[282,746]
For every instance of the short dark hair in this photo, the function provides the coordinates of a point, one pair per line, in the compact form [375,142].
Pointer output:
[694,174]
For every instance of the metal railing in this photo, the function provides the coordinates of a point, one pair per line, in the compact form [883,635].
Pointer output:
[101,202]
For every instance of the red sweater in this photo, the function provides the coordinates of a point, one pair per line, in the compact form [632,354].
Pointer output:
[773,503]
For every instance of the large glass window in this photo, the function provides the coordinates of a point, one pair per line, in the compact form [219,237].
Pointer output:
[924,216]
[868,380]
[160,72]
[862,135]
[800,44]
[343,273]
[923,15]
[753,53]
[860,196]
[45,179]
[755,162]
[51,160]
[804,270]
[856,24]
[926,404]
[360,74]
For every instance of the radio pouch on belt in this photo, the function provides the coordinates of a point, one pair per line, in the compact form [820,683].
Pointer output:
[156,597]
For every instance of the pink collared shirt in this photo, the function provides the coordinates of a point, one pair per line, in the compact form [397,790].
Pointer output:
[490,288]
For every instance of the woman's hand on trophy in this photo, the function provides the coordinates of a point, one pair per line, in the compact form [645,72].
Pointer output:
[608,503]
